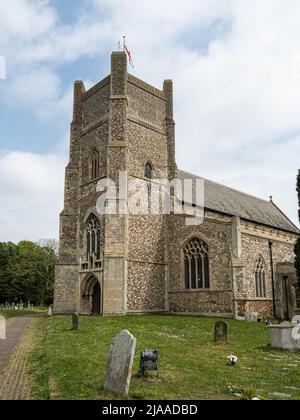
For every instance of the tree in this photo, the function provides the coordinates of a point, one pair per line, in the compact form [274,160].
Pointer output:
[7,288]
[27,271]
[297,246]
[46,269]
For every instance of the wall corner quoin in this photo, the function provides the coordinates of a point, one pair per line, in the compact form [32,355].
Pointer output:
[236,237]
[119,74]
[170,128]
[79,91]
[168,90]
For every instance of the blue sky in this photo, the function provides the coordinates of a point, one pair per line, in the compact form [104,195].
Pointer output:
[236,72]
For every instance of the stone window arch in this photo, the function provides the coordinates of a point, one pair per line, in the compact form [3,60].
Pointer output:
[93,237]
[95,164]
[196,265]
[260,278]
[148,170]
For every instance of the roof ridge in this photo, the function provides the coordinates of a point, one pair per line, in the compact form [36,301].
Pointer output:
[246,205]
[226,186]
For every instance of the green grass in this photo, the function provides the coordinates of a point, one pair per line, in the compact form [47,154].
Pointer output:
[8,313]
[72,365]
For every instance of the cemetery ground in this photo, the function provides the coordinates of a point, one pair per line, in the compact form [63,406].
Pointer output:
[66,364]
[8,313]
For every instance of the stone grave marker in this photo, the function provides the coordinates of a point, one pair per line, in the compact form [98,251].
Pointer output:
[50,311]
[120,360]
[2,328]
[75,322]
[221,332]
[251,316]
[296,320]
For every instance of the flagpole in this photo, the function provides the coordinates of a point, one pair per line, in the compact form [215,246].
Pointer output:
[124,42]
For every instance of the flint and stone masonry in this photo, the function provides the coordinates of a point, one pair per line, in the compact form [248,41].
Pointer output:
[120,264]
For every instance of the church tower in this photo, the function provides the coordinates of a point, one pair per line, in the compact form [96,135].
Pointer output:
[115,263]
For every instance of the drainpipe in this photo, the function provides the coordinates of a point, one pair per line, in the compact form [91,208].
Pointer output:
[273,281]
[286,280]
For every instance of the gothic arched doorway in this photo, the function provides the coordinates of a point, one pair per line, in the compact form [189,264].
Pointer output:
[91,296]
[96,306]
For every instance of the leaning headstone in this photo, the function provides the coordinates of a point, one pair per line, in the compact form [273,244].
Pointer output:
[75,321]
[120,360]
[221,332]
[50,311]
[2,328]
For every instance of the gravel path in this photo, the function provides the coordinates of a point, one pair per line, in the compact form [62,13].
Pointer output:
[13,357]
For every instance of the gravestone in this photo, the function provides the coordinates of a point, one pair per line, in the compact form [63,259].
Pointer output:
[50,311]
[251,316]
[296,320]
[120,360]
[2,328]
[75,322]
[221,332]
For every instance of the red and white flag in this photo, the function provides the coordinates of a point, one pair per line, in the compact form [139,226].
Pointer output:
[129,55]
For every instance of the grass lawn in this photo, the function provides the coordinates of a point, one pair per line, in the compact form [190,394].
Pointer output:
[8,313]
[71,365]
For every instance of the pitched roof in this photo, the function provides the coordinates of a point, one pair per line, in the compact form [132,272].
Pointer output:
[226,200]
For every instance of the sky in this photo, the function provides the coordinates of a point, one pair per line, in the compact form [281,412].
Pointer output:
[236,72]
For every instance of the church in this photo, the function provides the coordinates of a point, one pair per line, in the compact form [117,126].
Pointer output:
[238,260]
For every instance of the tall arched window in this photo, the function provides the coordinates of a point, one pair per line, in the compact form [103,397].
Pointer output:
[93,239]
[148,171]
[196,265]
[260,278]
[95,165]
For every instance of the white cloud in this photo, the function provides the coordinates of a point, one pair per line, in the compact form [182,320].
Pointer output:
[36,87]
[25,20]
[237,87]
[31,189]
[57,107]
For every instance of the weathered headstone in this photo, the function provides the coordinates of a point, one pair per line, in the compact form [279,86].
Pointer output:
[2,328]
[251,316]
[120,360]
[296,320]
[75,322]
[221,332]
[50,311]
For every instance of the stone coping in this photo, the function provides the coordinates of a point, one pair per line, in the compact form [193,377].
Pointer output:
[131,79]
[145,86]
[283,326]
[96,88]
